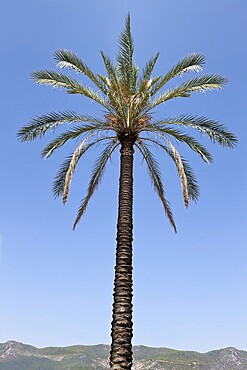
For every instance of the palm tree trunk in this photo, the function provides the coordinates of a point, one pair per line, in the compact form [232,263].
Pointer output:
[122,332]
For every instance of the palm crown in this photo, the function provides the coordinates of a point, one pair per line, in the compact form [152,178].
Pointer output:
[128,98]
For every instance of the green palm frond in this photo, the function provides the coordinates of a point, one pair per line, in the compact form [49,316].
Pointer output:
[111,71]
[191,63]
[165,96]
[213,129]
[126,70]
[146,82]
[147,71]
[179,135]
[56,79]
[60,80]
[155,176]
[191,142]
[115,93]
[68,135]
[199,84]
[97,173]
[41,124]
[93,95]
[68,59]
[203,83]
[126,43]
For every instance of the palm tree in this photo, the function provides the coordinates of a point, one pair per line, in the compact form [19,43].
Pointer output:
[128,99]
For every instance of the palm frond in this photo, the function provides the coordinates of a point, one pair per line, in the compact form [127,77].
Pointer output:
[192,143]
[96,177]
[111,71]
[68,135]
[191,63]
[41,124]
[94,95]
[193,187]
[165,96]
[213,129]
[126,69]
[58,183]
[203,83]
[179,135]
[199,84]
[81,149]
[189,185]
[60,80]
[115,93]
[126,43]
[146,74]
[69,166]
[156,179]
[68,59]
[188,182]
[55,79]
[60,179]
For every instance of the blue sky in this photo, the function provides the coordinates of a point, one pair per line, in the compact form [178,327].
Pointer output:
[56,285]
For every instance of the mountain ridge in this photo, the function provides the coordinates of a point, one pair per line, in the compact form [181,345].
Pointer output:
[18,356]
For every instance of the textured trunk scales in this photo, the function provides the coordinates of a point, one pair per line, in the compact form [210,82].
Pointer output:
[122,326]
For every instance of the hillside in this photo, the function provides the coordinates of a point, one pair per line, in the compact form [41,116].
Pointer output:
[18,356]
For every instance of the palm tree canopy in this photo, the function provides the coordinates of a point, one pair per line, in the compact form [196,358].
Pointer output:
[128,98]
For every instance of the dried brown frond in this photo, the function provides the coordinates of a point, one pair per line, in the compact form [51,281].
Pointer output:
[181,172]
[72,167]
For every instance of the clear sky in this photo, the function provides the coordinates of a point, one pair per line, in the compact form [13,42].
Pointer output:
[190,289]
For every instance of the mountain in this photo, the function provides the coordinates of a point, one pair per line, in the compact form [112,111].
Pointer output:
[18,356]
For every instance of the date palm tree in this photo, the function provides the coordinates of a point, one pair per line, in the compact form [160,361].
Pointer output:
[128,98]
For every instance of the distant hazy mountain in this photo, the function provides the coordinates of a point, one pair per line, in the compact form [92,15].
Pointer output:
[18,356]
